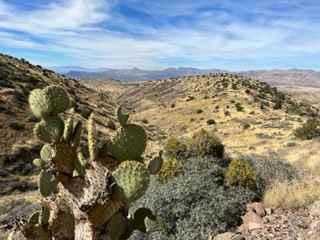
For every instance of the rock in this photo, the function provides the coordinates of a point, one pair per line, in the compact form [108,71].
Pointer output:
[258,208]
[315,227]
[315,209]
[228,236]
[269,211]
[251,221]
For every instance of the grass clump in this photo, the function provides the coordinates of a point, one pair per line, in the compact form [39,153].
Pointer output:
[240,173]
[291,195]
[171,168]
[175,148]
[309,130]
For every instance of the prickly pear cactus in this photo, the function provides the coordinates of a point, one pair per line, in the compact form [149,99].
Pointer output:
[48,102]
[86,194]
[130,141]
[133,178]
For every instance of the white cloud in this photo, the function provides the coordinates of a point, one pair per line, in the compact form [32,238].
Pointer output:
[73,29]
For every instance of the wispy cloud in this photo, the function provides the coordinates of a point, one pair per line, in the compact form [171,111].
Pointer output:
[155,34]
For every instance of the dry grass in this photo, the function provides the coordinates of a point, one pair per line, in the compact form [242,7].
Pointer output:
[293,194]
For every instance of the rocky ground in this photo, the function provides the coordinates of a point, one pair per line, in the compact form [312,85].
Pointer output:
[277,224]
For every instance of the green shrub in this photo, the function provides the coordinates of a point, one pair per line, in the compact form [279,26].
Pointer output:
[197,204]
[171,168]
[270,169]
[175,147]
[240,173]
[204,143]
[310,129]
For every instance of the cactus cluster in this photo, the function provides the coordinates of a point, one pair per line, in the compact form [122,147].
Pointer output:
[79,188]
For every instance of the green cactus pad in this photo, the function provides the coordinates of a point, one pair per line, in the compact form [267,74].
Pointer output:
[155,164]
[38,103]
[39,163]
[68,129]
[44,216]
[58,98]
[122,117]
[129,143]
[50,101]
[92,144]
[47,152]
[49,129]
[47,183]
[133,179]
[76,136]
[34,218]
[139,218]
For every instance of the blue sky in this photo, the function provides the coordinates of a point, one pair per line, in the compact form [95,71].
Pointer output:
[225,34]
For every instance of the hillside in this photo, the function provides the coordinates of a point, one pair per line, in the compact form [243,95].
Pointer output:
[293,77]
[241,108]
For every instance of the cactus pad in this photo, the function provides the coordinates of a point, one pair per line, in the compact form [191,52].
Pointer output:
[133,179]
[68,129]
[48,102]
[129,143]
[49,129]
[122,117]
[155,164]
[58,99]
[39,163]
[38,104]
[47,152]
[92,144]
[47,183]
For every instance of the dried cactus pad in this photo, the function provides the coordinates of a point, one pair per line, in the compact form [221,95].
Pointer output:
[129,143]
[48,102]
[133,178]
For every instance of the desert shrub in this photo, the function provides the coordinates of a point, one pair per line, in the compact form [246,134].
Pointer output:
[294,194]
[270,169]
[240,173]
[246,126]
[175,147]
[171,168]
[199,111]
[310,129]
[197,204]
[211,121]
[239,107]
[204,143]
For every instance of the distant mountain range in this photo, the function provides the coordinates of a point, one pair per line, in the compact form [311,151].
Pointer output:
[290,77]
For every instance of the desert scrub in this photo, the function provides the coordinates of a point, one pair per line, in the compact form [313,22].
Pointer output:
[175,147]
[240,173]
[239,107]
[204,143]
[294,194]
[310,129]
[171,168]
[271,168]
[196,203]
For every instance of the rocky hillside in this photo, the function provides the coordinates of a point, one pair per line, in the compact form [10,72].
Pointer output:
[235,107]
